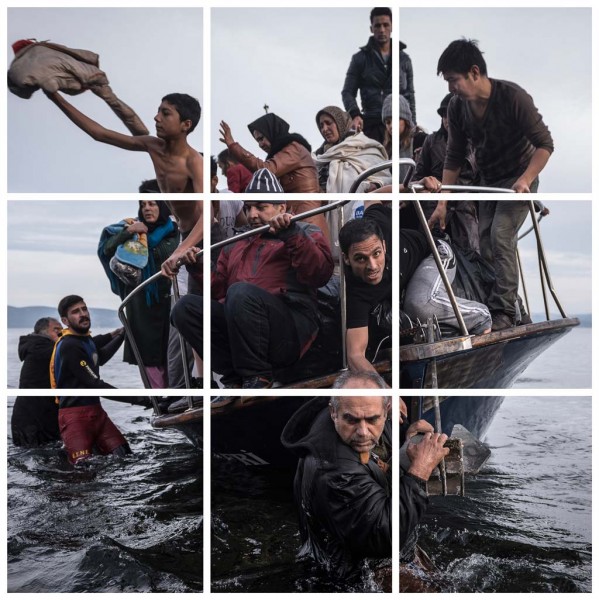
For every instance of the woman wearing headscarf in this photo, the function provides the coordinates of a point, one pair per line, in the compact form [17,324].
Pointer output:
[345,154]
[287,157]
[131,251]
[287,154]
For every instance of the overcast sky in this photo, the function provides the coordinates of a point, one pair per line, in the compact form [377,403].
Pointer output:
[52,252]
[547,51]
[146,54]
[294,60]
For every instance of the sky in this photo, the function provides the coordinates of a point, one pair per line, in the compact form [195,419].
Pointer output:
[293,60]
[546,51]
[46,152]
[52,252]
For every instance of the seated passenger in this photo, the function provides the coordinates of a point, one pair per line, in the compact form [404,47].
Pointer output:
[345,154]
[263,310]
[366,247]
[427,297]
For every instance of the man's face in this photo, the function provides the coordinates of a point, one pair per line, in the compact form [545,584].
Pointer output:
[263,142]
[328,128]
[367,260]
[461,85]
[77,318]
[168,121]
[359,420]
[54,330]
[381,28]
[260,213]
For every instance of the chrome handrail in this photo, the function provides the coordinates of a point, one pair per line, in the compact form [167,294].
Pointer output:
[366,174]
[543,266]
[129,332]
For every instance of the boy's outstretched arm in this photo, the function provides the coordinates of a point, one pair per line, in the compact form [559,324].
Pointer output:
[95,130]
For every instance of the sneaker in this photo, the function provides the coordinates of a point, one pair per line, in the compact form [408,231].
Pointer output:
[501,321]
[257,382]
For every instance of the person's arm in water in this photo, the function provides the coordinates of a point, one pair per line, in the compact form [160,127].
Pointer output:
[97,131]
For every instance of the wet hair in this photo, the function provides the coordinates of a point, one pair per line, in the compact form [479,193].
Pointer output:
[213,166]
[149,186]
[66,303]
[370,376]
[187,107]
[460,56]
[43,324]
[358,230]
[380,11]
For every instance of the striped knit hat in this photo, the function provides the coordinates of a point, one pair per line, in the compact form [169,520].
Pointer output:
[264,182]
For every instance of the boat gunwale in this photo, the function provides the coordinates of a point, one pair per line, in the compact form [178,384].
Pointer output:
[416,352]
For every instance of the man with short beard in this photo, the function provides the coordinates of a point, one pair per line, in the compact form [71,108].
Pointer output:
[75,364]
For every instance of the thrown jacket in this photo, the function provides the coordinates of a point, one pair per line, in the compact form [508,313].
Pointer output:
[344,505]
[53,67]
[368,73]
[35,351]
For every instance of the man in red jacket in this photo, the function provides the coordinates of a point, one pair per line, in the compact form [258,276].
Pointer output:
[263,309]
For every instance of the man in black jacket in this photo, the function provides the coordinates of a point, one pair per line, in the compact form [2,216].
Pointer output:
[84,425]
[34,419]
[370,71]
[342,485]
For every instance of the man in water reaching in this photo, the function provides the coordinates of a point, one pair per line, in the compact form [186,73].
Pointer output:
[75,364]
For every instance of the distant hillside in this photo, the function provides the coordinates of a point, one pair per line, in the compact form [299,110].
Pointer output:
[26,316]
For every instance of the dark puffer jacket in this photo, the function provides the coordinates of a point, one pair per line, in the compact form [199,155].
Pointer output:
[368,73]
[344,505]
[35,351]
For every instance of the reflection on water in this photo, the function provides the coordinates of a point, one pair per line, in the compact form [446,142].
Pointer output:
[525,525]
[116,525]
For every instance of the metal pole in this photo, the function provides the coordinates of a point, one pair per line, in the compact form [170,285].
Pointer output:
[121,311]
[442,273]
[342,297]
[418,187]
[543,260]
[183,346]
[521,270]
[437,408]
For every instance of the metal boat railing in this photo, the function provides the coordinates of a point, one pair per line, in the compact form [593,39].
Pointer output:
[545,277]
[247,234]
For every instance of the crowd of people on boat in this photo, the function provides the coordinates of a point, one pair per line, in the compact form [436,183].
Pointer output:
[491,134]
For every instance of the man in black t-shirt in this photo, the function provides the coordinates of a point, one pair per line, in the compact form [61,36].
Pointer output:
[366,247]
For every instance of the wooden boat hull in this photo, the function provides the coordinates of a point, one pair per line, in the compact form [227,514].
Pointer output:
[491,361]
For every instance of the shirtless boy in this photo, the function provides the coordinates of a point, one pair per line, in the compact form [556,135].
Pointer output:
[178,166]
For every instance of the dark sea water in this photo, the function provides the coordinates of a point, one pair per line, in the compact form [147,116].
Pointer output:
[525,525]
[131,524]
[255,537]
